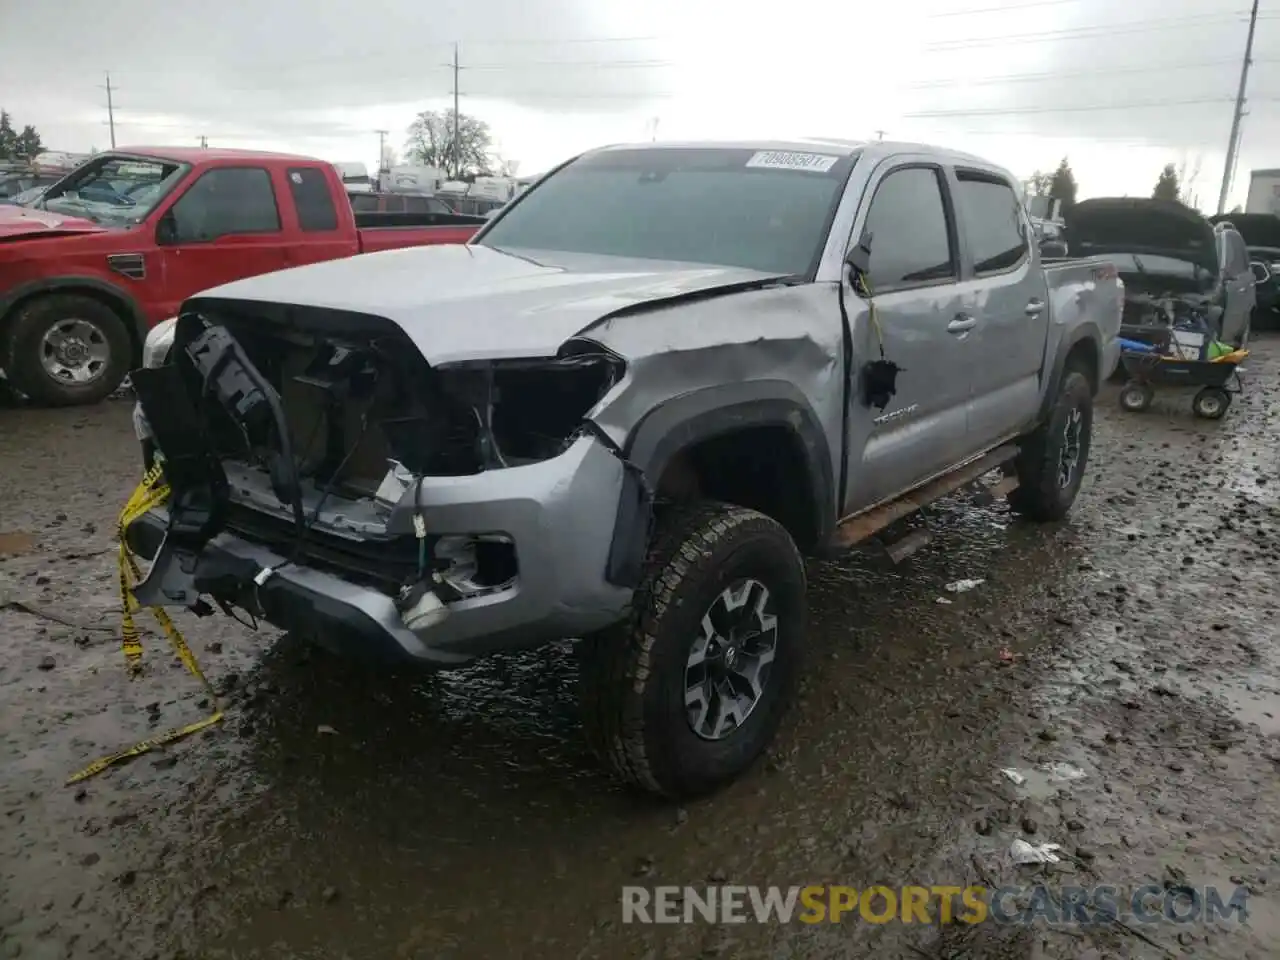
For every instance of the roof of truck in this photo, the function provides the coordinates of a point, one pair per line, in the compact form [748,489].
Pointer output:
[197,154]
[830,145]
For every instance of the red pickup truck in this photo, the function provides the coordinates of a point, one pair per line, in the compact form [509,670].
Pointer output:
[114,248]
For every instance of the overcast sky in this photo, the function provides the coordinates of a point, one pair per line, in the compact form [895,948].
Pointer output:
[1122,88]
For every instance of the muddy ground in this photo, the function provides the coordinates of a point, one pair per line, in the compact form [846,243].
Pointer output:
[343,813]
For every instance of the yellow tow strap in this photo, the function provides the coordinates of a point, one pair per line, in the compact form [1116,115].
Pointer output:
[150,493]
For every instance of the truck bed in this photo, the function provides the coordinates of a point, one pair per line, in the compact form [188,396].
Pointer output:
[1084,287]
[390,231]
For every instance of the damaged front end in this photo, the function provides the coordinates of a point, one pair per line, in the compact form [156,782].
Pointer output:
[325,478]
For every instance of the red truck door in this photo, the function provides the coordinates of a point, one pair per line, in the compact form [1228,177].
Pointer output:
[225,226]
[323,232]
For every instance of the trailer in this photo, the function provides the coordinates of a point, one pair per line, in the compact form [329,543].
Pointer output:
[1264,192]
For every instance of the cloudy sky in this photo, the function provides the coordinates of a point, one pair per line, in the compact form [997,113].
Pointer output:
[1122,88]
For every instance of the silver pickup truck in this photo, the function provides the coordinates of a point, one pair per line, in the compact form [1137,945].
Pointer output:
[623,413]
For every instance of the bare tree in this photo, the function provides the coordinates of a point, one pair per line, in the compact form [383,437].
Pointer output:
[1040,183]
[431,143]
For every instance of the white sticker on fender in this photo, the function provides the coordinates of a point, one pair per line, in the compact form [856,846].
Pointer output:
[784,160]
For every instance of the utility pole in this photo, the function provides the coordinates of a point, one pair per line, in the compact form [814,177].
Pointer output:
[1234,140]
[382,149]
[879,134]
[111,112]
[457,166]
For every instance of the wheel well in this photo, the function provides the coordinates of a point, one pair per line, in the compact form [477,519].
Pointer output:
[1083,356]
[761,467]
[115,304]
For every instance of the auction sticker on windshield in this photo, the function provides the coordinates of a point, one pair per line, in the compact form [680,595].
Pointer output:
[783,160]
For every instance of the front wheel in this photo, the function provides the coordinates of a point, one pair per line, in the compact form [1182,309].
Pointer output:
[1051,464]
[67,349]
[682,697]
[1136,397]
[1211,403]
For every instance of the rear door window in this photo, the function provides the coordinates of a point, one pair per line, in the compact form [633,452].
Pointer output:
[313,199]
[993,222]
[909,233]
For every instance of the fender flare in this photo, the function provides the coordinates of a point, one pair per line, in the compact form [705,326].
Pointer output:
[714,411]
[133,315]
[1085,331]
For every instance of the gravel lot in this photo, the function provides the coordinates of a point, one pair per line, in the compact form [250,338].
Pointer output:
[340,812]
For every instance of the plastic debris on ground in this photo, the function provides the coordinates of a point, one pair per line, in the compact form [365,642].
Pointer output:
[1013,775]
[1022,852]
[963,586]
[1063,771]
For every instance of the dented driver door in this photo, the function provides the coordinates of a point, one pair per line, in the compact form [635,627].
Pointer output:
[925,324]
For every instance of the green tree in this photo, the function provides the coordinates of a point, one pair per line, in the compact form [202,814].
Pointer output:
[18,146]
[431,143]
[1062,185]
[1167,187]
[8,136]
[29,145]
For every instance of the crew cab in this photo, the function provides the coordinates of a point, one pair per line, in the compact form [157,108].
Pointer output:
[115,246]
[621,413]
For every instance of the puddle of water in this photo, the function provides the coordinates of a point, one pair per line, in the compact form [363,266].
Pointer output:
[1255,705]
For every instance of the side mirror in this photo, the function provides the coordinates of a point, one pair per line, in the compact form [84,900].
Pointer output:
[859,256]
[1261,272]
[167,231]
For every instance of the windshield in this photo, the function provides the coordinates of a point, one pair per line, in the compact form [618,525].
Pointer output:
[763,210]
[114,189]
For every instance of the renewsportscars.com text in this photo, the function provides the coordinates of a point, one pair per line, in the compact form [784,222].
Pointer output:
[932,904]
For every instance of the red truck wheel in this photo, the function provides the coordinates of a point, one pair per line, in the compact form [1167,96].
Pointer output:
[67,349]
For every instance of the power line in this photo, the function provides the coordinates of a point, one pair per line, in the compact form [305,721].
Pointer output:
[1089,33]
[1073,76]
[1018,111]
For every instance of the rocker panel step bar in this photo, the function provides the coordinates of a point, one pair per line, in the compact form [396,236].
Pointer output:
[853,530]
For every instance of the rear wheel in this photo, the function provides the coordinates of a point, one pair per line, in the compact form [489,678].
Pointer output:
[1211,403]
[1136,397]
[67,349]
[1052,461]
[683,696]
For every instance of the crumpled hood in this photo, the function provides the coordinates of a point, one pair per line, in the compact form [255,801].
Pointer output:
[1132,225]
[23,222]
[473,302]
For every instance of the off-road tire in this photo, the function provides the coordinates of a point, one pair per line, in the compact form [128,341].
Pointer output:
[21,346]
[1039,495]
[632,682]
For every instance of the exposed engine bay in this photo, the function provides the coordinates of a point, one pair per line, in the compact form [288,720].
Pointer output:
[1168,309]
[345,412]
[353,404]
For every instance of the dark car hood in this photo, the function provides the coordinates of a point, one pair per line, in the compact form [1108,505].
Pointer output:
[1131,225]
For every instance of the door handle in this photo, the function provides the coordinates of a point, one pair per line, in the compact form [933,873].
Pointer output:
[962,323]
[1035,308]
